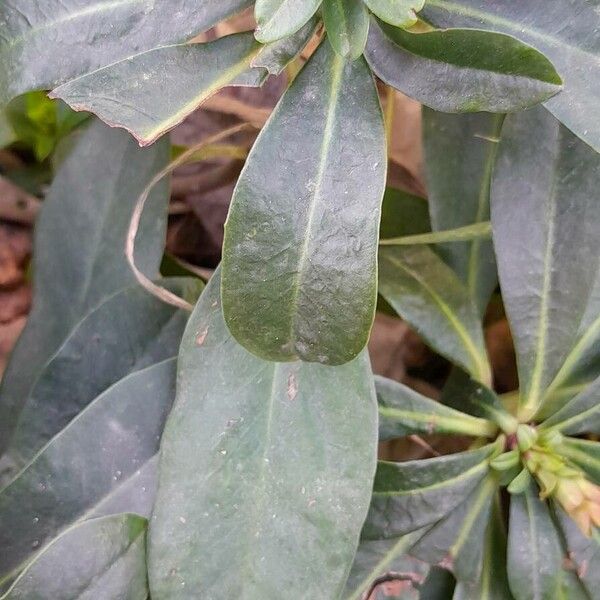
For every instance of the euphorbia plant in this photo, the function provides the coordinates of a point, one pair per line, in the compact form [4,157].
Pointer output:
[268,485]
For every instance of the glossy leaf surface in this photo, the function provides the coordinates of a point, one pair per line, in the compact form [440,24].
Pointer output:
[150,93]
[428,294]
[100,558]
[347,23]
[565,32]
[461,70]
[300,252]
[79,257]
[277,19]
[460,151]
[266,471]
[97,465]
[403,411]
[546,278]
[400,13]
[33,50]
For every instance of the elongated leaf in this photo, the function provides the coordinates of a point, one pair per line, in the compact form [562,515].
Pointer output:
[83,470]
[460,152]
[277,19]
[410,495]
[376,558]
[458,540]
[535,559]
[428,294]
[299,259]
[347,23]
[100,558]
[403,214]
[128,332]
[461,70]
[79,257]
[266,471]
[400,13]
[150,93]
[477,231]
[403,411]
[585,454]
[546,279]
[276,56]
[41,49]
[567,34]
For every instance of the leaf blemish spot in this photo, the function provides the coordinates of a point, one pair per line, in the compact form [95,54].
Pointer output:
[292,387]
[201,337]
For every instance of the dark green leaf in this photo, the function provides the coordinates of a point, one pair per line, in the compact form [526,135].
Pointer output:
[546,278]
[428,294]
[347,23]
[299,259]
[460,151]
[276,56]
[410,495]
[403,411]
[126,333]
[461,70]
[277,19]
[100,558]
[400,13]
[99,464]
[150,93]
[403,214]
[583,453]
[41,49]
[266,471]
[79,257]
[565,32]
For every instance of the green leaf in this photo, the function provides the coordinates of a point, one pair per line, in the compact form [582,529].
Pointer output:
[150,93]
[458,540]
[376,558]
[128,332]
[566,33]
[41,49]
[461,70]
[403,411]
[535,557]
[546,279]
[300,251]
[467,233]
[493,580]
[583,453]
[428,294]
[100,558]
[412,494]
[403,214]
[460,151]
[347,24]
[266,471]
[101,463]
[277,19]
[276,56]
[400,13]
[79,257]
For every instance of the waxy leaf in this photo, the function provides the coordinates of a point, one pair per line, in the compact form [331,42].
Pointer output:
[460,151]
[277,19]
[428,294]
[567,33]
[400,13]
[79,257]
[583,453]
[546,278]
[266,471]
[93,467]
[461,70]
[412,494]
[151,92]
[403,411]
[347,24]
[42,48]
[128,332]
[100,558]
[300,252]
[276,56]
